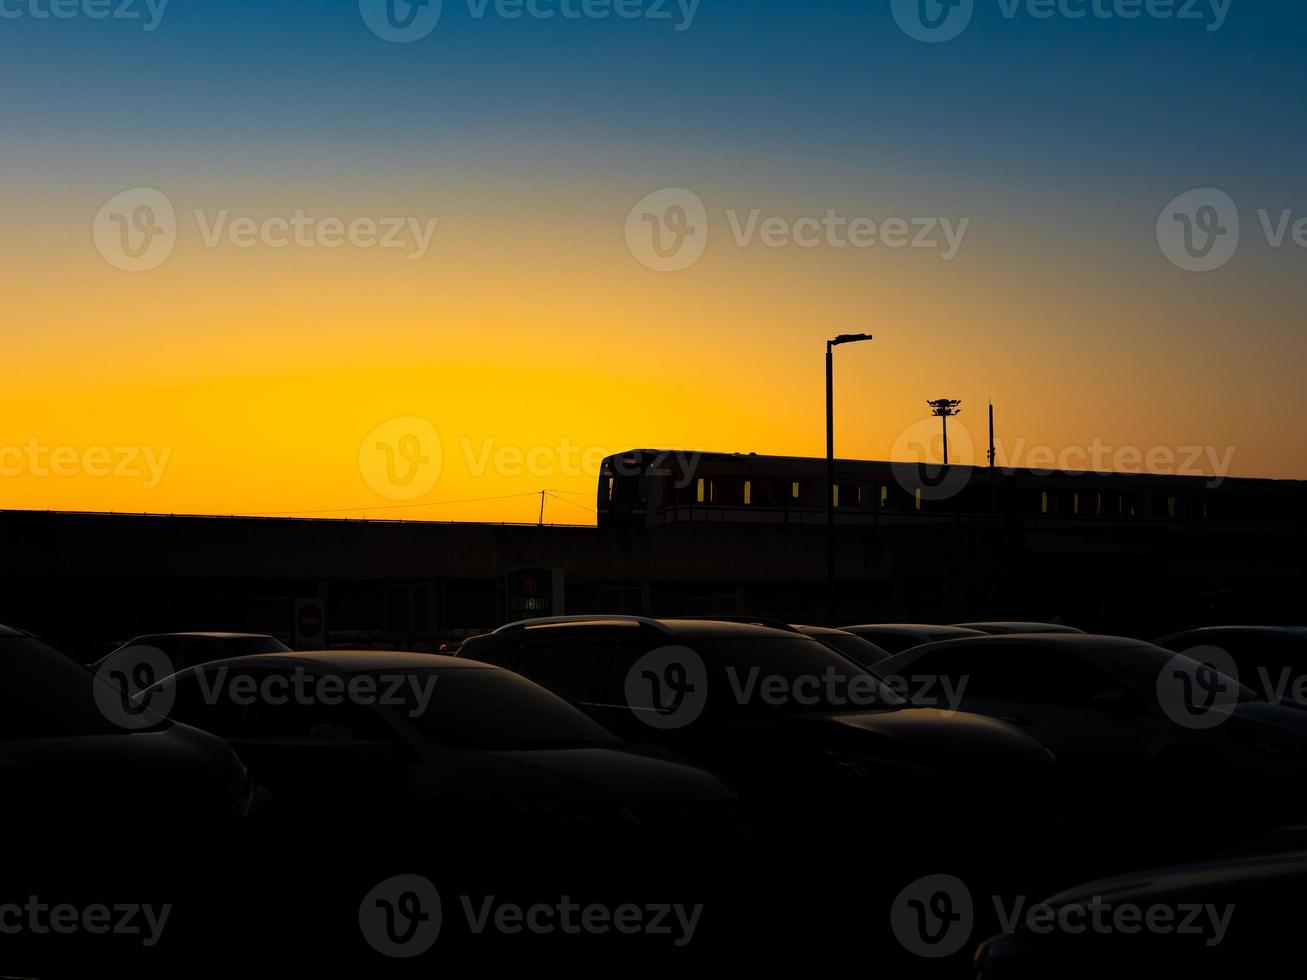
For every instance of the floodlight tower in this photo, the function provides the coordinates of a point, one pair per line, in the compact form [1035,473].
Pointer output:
[945,408]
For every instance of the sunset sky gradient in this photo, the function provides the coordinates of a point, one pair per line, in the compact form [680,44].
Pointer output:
[530,324]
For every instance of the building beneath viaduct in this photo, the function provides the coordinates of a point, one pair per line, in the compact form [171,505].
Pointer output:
[87,581]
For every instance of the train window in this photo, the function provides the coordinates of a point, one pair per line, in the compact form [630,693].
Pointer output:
[1043,502]
[884,495]
[794,491]
[848,494]
[917,498]
[1075,504]
[748,492]
[727,490]
[610,488]
[698,492]
[1098,505]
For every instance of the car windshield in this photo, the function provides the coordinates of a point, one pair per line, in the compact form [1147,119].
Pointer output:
[794,674]
[492,710]
[44,693]
[857,649]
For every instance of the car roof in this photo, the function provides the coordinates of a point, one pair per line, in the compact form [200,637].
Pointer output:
[210,636]
[1019,626]
[1297,632]
[1159,882]
[686,629]
[348,661]
[1081,643]
[917,629]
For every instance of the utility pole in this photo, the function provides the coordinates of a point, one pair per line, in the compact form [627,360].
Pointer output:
[945,408]
[844,338]
[542,508]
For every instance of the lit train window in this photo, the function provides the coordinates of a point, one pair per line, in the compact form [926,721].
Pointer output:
[884,495]
[837,495]
[1075,504]
[917,498]
[698,493]
[1043,502]
[610,488]
[794,491]
[748,492]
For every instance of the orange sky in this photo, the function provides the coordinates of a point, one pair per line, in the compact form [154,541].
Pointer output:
[260,372]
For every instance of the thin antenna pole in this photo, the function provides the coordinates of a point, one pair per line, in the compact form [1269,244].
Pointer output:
[542,508]
[991,435]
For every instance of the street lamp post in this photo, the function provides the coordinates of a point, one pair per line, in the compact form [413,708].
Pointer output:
[844,338]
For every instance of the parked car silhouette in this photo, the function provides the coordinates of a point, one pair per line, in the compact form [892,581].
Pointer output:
[453,743]
[857,648]
[65,762]
[1113,707]
[1217,918]
[1272,660]
[740,716]
[896,637]
[1006,628]
[185,650]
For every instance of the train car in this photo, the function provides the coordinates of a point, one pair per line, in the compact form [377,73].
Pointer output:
[655,487]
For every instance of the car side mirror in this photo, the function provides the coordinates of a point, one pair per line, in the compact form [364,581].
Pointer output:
[1116,703]
[333,730]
